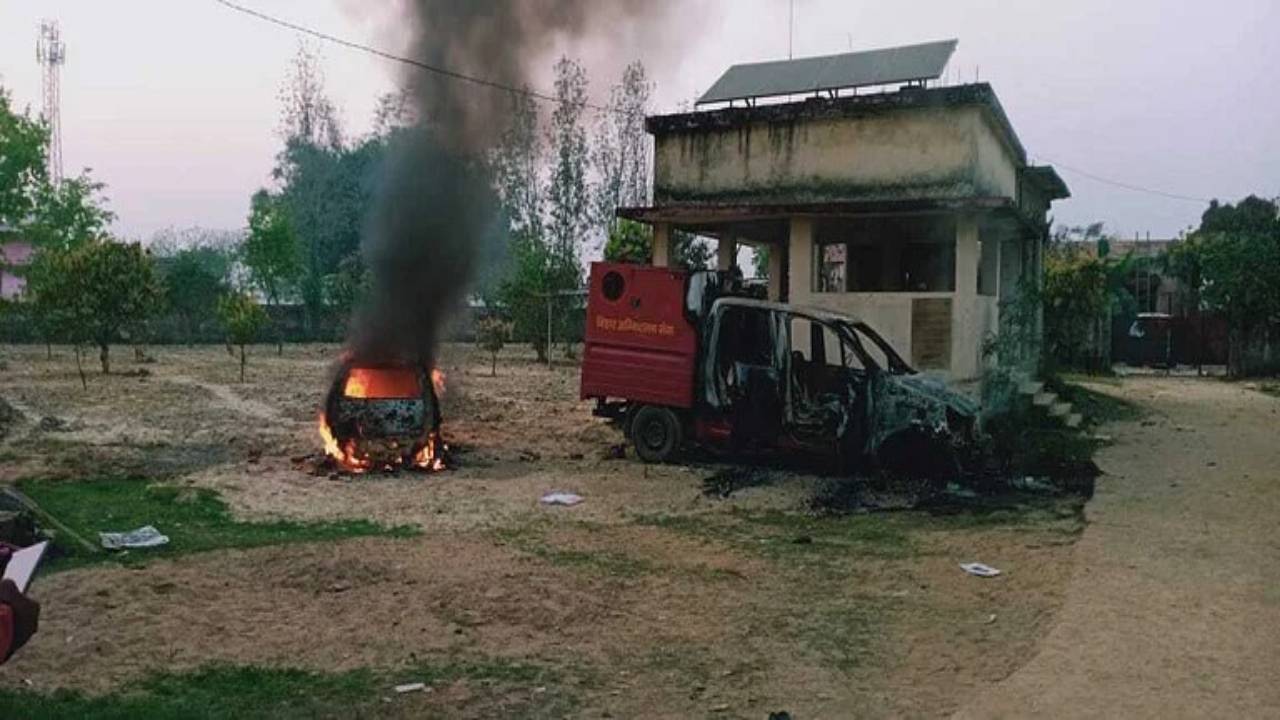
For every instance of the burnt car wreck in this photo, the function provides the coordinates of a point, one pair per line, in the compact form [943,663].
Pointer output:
[780,377]
[686,360]
[383,418]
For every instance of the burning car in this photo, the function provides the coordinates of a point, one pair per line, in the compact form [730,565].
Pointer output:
[678,357]
[384,418]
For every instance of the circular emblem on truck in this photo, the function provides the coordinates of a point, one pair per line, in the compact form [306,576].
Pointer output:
[613,285]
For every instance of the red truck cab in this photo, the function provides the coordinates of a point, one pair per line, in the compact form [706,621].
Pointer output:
[641,349]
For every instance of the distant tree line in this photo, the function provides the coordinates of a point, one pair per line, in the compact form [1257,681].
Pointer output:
[83,286]
[561,170]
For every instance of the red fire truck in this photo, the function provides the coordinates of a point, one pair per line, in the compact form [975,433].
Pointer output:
[684,357]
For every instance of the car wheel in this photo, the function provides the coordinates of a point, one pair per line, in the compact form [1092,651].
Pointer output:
[656,434]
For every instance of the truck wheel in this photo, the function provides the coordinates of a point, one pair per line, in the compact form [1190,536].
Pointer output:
[656,433]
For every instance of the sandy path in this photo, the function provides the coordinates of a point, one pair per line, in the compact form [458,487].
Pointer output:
[227,398]
[1174,606]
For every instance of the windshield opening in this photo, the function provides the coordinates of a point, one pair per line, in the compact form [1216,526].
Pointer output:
[877,349]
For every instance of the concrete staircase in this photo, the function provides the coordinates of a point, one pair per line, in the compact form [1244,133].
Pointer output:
[1050,402]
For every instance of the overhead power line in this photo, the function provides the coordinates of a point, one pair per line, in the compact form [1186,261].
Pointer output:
[445,72]
[491,84]
[1125,185]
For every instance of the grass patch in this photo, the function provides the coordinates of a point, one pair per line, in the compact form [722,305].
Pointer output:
[1270,388]
[1097,408]
[848,634]
[795,537]
[230,692]
[532,539]
[213,693]
[195,519]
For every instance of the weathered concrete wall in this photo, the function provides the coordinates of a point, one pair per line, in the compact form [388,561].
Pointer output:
[974,317]
[996,172]
[913,153]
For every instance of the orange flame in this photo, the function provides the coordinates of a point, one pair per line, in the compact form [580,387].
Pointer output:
[429,458]
[344,453]
[383,383]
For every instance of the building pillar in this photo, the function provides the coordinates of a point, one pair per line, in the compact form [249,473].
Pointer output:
[966,346]
[726,254]
[662,244]
[968,256]
[800,259]
[776,253]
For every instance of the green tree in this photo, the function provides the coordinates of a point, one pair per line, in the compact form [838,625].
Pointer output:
[270,251]
[93,292]
[1081,290]
[23,159]
[1236,250]
[69,214]
[326,183]
[516,164]
[760,261]
[632,242]
[629,242]
[194,279]
[347,287]
[491,336]
[243,319]
[525,290]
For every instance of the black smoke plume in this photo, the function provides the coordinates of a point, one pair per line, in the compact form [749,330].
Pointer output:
[434,207]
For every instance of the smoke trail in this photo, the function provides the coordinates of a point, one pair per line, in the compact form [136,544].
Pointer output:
[434,207]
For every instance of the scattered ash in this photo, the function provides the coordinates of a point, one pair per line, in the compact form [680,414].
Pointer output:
[321,465]
[838,496]
[725,482]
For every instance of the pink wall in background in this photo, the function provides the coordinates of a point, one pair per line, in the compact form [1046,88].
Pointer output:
[16,252]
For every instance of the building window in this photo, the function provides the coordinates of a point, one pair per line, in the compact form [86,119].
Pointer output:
[866,269]
[884,255]
[929,267]
[832,266]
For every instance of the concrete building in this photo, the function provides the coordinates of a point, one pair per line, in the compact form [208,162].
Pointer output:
[913,208]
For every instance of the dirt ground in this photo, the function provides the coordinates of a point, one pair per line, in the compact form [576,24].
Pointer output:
[652,598]
[1173,608]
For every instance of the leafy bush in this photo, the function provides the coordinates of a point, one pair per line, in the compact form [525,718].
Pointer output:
[491,335]
[243,318]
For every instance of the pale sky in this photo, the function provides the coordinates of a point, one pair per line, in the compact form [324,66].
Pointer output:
[173,103]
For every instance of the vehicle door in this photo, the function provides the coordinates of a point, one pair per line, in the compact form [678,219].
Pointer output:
[743,373]
[825,385]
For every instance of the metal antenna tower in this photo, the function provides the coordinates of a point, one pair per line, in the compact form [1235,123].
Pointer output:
[51,53]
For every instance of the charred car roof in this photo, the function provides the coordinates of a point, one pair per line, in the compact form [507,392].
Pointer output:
[812,312]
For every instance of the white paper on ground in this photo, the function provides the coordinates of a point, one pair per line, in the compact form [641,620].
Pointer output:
[143,537]
[23,563]
[561,498]
[979,569]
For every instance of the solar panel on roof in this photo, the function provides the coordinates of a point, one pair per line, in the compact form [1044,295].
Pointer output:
[832,72]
